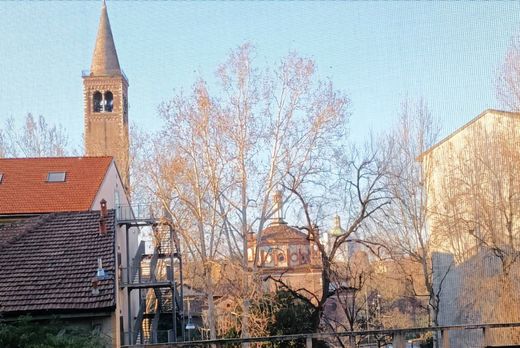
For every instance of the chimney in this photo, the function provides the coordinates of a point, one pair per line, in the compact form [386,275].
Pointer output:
[95,286]
[102,218]
[102,226]
[104,211]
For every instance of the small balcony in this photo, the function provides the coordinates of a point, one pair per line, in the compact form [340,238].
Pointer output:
[136,214]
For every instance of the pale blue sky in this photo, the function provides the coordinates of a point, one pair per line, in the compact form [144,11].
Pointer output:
[378,52]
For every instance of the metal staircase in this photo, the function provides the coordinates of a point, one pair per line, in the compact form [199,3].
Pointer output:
[157,278]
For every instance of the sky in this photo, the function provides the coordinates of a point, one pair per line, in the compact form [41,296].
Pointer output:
[378,52]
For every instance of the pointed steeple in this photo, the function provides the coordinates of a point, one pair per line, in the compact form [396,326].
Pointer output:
[104,60]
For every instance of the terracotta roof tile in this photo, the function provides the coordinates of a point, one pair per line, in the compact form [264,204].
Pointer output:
[24,188]
[281,232]
[47,263]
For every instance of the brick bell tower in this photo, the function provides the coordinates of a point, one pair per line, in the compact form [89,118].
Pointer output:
[105,97]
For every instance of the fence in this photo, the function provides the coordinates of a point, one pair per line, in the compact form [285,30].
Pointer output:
[400,338]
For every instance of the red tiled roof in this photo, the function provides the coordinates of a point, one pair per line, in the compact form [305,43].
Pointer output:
[24,188]
[47,263]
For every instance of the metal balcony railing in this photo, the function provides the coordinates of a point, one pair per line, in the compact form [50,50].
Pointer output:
[145,270]
[132,279]
[135,213]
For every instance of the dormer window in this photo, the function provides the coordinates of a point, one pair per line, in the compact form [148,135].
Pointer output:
[56,177]
[103,102]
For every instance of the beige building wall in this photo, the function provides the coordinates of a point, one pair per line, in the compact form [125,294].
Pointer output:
[113,192]
[460,185]
[473,191]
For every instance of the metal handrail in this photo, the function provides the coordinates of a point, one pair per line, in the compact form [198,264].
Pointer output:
[325,335]
[138,326]
[155,322]
[137,259]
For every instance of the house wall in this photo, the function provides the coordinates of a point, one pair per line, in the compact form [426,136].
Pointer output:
[112,190]
[476,291]
[107,191]
[469,177]
[445,171]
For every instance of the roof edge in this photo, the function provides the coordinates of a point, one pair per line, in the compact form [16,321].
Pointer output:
[461,128]
[51,157]
[112,161]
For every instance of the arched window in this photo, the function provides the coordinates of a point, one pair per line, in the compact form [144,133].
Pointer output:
[97,100]
[109,101]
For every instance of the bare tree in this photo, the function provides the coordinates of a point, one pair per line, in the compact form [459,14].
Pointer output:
[475,215]
[403,226]
[218,159]
[482,189]
[508,77]
[34,138]
[359,190]
[346,308]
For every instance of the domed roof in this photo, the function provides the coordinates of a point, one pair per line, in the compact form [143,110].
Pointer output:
[278,231]
[281,232]
[336,230]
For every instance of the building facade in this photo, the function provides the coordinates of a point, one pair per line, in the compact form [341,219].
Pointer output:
[471,182]
[285,253]
[473,213]
[50,214]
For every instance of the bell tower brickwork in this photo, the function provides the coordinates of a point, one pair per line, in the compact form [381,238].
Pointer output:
[105,98]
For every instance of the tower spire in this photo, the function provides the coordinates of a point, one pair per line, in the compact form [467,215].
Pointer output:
[104,60]
[105,94]
[278,208]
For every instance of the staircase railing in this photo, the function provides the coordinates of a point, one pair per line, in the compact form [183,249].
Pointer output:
[138,325]
[154,269]
[133,274]
[155,321]
[155,301]
[153,265]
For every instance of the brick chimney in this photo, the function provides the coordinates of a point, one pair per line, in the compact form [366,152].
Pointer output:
[104,211]
[102,218]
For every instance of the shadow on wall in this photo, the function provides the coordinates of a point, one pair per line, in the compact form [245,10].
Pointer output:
[477,291]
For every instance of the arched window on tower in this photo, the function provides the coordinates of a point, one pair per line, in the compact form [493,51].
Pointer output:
[97,100]
[109,101]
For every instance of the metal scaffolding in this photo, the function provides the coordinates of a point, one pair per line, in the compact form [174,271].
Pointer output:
[156,276]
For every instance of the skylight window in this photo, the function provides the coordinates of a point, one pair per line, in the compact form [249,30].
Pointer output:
[1,177]
[56,177]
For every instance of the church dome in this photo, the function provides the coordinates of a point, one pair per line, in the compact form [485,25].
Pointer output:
[283,247]
[281,233]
